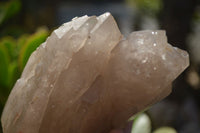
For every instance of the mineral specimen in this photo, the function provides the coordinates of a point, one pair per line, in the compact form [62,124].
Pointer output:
[87,78]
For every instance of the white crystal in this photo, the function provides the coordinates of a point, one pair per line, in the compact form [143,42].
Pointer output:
[86,79]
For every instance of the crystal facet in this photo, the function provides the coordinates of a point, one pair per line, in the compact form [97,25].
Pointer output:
[87,78]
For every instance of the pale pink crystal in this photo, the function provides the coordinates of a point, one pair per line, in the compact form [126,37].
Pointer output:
[86,79]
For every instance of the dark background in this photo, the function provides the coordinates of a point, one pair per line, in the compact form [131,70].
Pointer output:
[180,18]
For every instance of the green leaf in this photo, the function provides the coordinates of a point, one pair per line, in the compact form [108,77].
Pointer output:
[9,9]
[141,124]
[4,61]
[10,45]
[21,41]
[165,130]
[13,74]
[30,45]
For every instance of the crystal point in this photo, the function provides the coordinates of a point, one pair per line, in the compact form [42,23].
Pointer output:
[86,79]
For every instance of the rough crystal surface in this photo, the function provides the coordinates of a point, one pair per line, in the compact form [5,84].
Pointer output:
[86,79]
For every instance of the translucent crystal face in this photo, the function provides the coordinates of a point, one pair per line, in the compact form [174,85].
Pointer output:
[146,56]
[86,79]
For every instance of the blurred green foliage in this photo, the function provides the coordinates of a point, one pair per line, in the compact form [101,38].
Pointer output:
[151,7]
[8,10]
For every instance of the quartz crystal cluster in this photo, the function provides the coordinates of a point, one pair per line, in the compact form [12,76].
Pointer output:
[88,78]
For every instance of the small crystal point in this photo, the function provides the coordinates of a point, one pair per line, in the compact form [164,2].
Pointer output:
[86,79]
